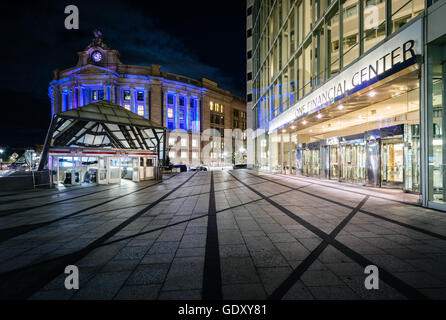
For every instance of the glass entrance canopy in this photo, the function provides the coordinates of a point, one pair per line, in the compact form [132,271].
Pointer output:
[103,125]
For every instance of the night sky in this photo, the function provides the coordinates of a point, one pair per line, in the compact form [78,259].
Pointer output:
[192,38]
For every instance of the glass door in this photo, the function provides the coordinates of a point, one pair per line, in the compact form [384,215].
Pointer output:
[353,163]
[334,162]
[315,162]
[392,161]
[102,171]
[306,162]
[412,157]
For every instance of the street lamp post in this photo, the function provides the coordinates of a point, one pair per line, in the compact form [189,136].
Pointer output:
[1,159]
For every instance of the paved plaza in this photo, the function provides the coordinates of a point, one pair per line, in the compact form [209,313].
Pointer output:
[237,234]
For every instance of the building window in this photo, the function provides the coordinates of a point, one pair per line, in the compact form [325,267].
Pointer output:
[127,95]
[194,155]
[172,154]
[127,107]
[170,113]
[97,95]
[140,96]
[211,106]
[184,142]
[184,154]
[65,101]
[171,118]
[333,43]
[194,114]
[141,111]
[171,142]
[404,11]
[350,41]
[170,99]
[194,143]
[182,115]
[181,100]
[221,108]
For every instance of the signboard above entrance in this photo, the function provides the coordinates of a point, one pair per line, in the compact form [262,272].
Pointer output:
[395,54]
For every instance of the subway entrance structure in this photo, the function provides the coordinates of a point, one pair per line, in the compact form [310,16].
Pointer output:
[102,143]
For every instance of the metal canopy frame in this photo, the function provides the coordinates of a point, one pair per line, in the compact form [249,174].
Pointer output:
[104,125]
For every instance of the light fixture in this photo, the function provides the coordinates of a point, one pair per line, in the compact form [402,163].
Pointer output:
[311,130]
[319,115]
[388,107]
[372,93]
[293,127]
[283,131]
[340,107]
[304,122]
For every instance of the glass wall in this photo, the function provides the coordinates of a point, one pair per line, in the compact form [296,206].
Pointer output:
[403,11]
[300,44]
[436,103]
[350,31]
[333,43]
[374,17]
[309,35]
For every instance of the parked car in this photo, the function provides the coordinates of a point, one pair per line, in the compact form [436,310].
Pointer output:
[239,166]
[199,168]
[181,167]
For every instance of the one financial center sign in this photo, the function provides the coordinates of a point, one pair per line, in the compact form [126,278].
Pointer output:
[392,56]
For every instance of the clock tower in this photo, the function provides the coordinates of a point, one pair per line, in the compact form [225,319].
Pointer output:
[98,53]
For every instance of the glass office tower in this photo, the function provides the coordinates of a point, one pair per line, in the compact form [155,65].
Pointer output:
[349,90]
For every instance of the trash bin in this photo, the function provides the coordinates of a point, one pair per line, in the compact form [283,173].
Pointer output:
[158,173]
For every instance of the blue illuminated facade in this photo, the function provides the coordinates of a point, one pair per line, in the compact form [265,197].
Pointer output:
[176,102]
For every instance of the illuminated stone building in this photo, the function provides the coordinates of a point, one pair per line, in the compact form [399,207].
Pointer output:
[186,107]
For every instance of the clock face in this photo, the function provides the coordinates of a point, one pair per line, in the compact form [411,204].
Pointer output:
[96,56]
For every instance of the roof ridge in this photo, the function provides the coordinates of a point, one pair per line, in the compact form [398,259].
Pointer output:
[119,114]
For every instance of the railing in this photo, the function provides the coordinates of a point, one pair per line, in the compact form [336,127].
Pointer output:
[20,180]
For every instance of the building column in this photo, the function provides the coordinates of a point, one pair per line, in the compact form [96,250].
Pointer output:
[289,150]
[81,96]
[78,96]
[269,152]
[187,103]
[112,93]
[71,99]
[146,103]
[281,152]
[132,99]
[177,110]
